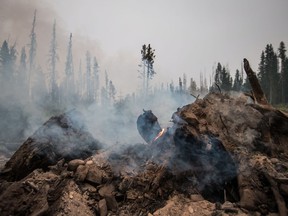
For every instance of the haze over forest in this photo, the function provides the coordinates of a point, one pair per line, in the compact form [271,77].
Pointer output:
[60,55]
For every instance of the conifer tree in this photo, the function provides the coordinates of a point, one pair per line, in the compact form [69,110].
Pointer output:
[223,78]
[32,55]
[5,61]
[88,78]
[238,81]
[54,91]
[22,79]
[192,86]
[112,92]
[184,83]
[270,76]
[180,86]
[283,71]
[148,57]
[96,82]
[69,73]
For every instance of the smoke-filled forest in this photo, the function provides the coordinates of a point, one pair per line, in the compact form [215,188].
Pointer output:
[161,108]
[30,93]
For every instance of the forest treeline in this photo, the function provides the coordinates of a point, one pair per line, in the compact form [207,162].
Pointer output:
[22,78]
[272,73]
[25,83]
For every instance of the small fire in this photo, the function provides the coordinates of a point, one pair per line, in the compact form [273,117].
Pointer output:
[159,134]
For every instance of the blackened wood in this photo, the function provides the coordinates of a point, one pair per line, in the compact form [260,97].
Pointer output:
[254,82]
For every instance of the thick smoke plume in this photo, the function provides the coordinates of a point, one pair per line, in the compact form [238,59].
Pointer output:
[112,122]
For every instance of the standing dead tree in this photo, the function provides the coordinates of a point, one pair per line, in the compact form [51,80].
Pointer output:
[258,93]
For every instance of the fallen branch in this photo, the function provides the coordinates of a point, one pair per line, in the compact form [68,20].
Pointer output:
[195,96]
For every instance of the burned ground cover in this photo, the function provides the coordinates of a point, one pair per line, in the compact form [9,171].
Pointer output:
[224,154]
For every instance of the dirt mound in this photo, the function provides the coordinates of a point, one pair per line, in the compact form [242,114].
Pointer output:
[224,155]
[61,137]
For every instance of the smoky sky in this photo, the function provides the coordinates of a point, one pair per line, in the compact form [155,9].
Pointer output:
[189,36]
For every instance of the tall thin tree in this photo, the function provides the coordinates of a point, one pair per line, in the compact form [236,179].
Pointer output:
[69,72]
[52,67]
[148,56]
[32,55]
[283,59]
[88,77]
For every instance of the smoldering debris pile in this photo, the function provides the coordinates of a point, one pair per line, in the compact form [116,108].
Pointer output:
[224,155]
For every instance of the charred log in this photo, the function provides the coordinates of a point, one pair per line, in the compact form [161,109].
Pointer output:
[61,137]
[148,126]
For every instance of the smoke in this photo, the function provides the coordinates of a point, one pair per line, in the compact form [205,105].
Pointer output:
[117,124]
[112,124]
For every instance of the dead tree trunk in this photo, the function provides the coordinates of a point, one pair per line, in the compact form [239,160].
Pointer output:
[258,93]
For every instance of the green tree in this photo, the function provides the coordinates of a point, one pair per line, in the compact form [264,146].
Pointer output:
[5,61]
[226,80]
[270,77]
[7,64]
[218,73]
[223,78]
[148,57]
[238,81]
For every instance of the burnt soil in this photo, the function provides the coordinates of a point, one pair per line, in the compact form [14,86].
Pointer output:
[224,155]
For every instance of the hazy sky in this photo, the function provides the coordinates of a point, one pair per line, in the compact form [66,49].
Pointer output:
[189,36]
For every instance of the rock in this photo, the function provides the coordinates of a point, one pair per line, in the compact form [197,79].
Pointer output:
[248,199]
[274,160]
[102,207]
[111,203]
[227,204]
[71,195]
[88,188]
[106,190]
[191,210]
[132,194]
[73,164]
[196,197]
[89,162]
[81,173]
[108,193]
[94,175]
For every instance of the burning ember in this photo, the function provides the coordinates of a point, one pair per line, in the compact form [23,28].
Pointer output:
[159,134]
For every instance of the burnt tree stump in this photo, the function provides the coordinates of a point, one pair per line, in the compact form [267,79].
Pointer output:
[258,93]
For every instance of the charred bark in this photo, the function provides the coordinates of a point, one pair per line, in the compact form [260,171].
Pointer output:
[258,93]
[148,126]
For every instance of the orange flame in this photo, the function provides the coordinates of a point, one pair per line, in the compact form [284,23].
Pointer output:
[159,134]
